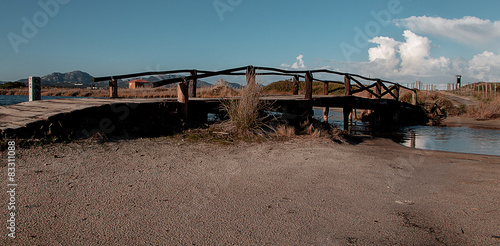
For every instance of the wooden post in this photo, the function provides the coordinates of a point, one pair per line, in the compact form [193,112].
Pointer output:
[414,98]
[183,98]
[295,86]
[250,75]
[308,87]
[113,89]
[35,88]
[192,84]
[396,92]
[347,114]
[378,89]
[347,85]
[326,110]
[325,88]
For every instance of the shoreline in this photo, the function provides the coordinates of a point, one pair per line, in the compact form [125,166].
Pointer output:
[472,123]
[298,191]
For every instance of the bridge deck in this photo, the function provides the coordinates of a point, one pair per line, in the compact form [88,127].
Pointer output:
[20,115]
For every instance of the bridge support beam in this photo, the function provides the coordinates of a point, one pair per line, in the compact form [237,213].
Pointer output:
[113,89]
[192,84]
[414,98]
[183,98]
[378,89]
[295,86]
[396,90]
[326,110]
[347,85]
[347,118]
[308,87]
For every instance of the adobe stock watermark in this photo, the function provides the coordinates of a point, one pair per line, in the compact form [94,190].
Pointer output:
[373,28]
[223,6]
[11,189]
[31,26]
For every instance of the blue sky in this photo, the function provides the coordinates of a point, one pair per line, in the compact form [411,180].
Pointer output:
[425,40]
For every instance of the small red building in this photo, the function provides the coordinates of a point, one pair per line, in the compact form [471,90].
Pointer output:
[138,83]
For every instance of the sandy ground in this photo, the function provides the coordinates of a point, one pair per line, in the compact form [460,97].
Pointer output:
[164,191]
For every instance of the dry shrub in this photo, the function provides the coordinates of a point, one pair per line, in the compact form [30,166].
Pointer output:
[244,114]
[14,91]
[220,89]
[485,110]
[285,131]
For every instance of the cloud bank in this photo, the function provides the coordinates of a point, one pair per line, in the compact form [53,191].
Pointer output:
[411,59]
[469,29]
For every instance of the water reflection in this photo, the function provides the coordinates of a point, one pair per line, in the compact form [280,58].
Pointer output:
[453,139]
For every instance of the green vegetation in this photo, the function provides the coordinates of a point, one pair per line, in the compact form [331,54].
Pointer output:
[12,85]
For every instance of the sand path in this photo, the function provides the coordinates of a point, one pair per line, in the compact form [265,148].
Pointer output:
[164,191]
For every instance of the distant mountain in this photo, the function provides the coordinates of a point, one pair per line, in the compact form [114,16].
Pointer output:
[235,85]
[83,79]
[75,77]
[71,79]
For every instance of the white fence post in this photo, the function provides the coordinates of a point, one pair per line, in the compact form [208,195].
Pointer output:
[35,90]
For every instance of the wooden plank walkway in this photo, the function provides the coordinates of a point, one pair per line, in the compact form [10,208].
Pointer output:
[20,115]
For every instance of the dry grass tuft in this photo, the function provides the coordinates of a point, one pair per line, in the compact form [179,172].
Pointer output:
[285,131]
[220,89]
[485,110]
[245,113]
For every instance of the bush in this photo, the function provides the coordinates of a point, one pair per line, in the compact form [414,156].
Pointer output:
[244,114]
[12,85]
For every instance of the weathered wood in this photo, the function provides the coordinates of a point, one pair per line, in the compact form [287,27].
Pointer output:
[250,75]
[326,110]
[347,113]
[414,98]
[397,89]
[183,98]
[113,89]
[378,89]
[308,87]
[193,83]
[347,85]
[35,92]
[295,86]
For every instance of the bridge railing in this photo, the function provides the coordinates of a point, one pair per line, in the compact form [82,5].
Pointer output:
[376,88]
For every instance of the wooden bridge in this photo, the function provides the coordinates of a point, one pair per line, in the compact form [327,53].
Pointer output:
[57,116]
[383,96]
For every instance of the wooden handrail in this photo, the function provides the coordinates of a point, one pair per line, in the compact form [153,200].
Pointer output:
[308,75]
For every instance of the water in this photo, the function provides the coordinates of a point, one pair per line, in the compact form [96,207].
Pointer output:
[452,139]
[15,99]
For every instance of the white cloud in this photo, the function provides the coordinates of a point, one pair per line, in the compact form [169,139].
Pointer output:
[410,60]
[485,67]
[299,64]
[468,29]
[385,50]
[411,57]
